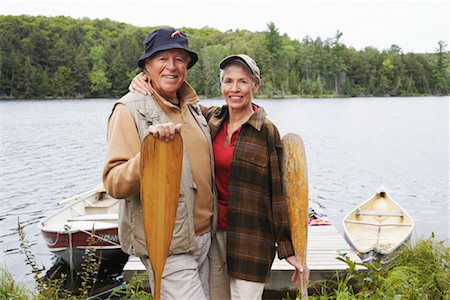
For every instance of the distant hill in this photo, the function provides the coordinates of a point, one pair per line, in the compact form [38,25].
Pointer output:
[49,57]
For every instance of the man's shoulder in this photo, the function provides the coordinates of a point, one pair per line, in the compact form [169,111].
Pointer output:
[214,112]
[133,97]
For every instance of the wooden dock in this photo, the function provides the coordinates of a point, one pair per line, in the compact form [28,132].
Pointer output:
[324,244]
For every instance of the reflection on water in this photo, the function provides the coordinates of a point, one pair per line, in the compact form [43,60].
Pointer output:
[55,149]
[109,276]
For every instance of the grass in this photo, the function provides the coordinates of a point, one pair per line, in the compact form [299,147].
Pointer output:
[421,271]
[133,290]
[416,271]
[9,289]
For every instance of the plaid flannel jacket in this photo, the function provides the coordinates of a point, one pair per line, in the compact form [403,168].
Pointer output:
[257,214]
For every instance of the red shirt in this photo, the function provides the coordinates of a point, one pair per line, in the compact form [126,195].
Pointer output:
[222,161]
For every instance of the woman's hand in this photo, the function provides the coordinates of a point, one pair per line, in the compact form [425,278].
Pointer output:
[139,84]
[165,131]
[292,260]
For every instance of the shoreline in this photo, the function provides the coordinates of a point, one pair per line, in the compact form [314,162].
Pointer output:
[324,96]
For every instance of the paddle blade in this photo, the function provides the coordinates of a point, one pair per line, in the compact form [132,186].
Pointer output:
[160,164]
[295,184]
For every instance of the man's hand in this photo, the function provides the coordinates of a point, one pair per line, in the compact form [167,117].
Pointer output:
[139,84]
[165,131]
[292,260]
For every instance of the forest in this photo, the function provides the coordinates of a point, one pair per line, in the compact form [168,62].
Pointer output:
[62,57]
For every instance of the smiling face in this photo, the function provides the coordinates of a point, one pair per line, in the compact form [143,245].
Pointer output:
[167,71]
[238,86]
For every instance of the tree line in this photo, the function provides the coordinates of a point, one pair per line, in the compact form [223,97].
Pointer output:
[49,57]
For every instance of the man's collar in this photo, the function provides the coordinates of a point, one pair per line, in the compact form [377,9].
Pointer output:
[186,94]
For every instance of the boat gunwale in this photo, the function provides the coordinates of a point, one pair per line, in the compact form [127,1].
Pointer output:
[87,200]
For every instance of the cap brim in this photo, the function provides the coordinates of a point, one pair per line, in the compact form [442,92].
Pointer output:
[230,58]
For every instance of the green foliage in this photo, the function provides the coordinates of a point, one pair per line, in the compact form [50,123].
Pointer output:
[416,271]
[367,283]
[52,285]
[62,82]
[133,290]
[99,82]
[47,287]
[421,271]
[89,269]
[440,71]
[65,57]
[9,289]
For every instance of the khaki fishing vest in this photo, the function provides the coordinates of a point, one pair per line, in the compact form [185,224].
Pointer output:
[146,112]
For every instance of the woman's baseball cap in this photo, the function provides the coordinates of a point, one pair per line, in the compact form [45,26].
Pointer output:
[245,60]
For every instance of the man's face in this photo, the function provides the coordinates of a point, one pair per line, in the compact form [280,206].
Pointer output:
[167,70]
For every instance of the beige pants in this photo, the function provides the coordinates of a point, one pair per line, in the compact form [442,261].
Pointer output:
[185,276]
[222,286]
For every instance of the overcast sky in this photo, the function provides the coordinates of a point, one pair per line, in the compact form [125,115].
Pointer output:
[415,26]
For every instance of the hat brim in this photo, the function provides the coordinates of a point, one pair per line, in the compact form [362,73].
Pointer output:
[193,55]
[231,58]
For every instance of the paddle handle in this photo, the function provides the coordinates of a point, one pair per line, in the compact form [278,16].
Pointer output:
[157,293]
[99,188]
[303,286]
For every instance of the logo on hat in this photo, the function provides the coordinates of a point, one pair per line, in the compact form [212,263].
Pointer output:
[175,33]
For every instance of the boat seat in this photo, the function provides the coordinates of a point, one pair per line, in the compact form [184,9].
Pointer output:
[97,217]
[376,224]
[379,213]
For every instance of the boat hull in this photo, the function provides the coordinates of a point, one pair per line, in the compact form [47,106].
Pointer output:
[60,245]
[57,241]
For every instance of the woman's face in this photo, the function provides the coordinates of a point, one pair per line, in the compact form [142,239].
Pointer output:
[238,87]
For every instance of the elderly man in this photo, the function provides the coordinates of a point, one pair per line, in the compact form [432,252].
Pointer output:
[165,61]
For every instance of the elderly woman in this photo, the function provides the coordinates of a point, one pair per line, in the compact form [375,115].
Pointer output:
[253,217]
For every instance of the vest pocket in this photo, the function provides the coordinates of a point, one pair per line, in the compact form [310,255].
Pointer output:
[150,116]
[180,241]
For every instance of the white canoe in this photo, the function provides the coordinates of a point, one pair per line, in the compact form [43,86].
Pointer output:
[378,226]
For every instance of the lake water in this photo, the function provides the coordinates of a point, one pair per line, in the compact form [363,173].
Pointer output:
[55,149]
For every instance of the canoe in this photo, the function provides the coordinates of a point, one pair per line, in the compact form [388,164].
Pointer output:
[377,227]
[67,231]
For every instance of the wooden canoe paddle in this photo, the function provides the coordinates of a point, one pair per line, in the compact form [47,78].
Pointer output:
[160,166]
[295,184]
